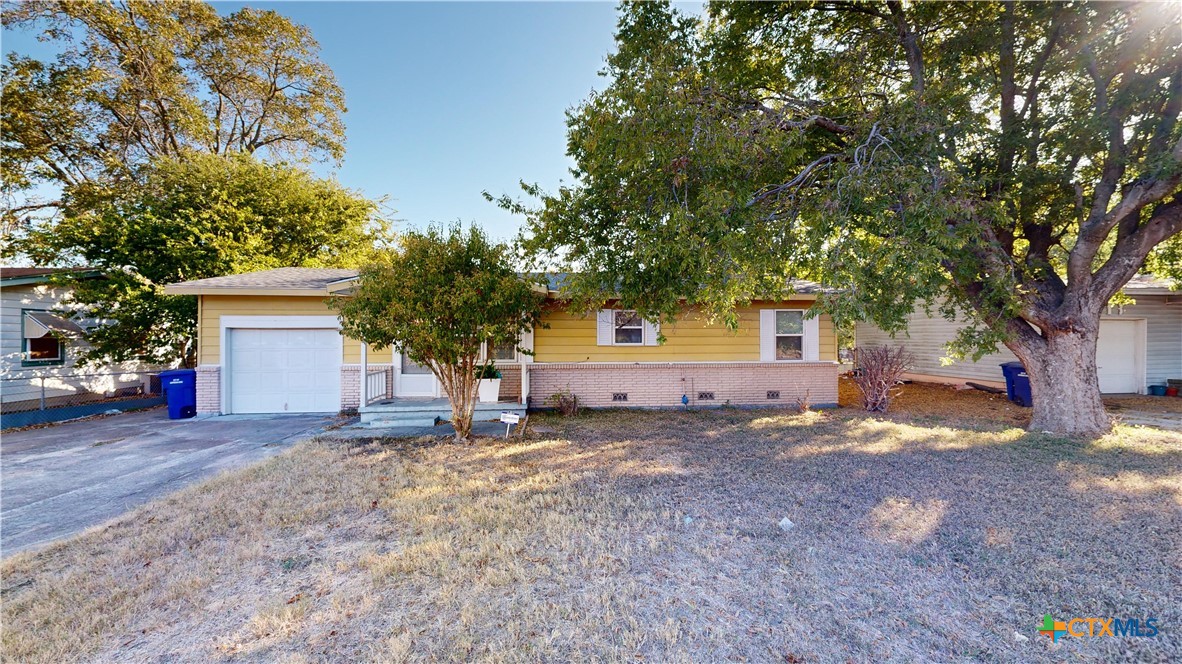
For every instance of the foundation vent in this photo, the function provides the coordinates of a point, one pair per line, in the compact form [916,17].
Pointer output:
[619,396]
[773,394]
[705,396]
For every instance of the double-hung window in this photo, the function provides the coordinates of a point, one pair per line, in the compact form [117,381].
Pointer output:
[624,327]
[787,335]
[629,329]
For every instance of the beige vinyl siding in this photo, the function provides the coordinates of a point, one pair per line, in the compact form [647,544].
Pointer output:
[22,383]
[1163,323]
[571,338]
[927,337]
[213,307]
[16,298]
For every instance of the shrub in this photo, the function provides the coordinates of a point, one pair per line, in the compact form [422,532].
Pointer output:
[804,403]
[879,369]
[488,372]
[564,402]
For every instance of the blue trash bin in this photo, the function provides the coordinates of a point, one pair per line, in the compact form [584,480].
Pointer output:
[180,392]
[1008,369]
[1017,383]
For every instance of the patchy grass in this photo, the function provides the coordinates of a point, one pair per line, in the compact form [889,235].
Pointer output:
[1146,404]
[935,402]
[638,536]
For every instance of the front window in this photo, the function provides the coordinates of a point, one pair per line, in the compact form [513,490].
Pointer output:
[629,328]
[789,335]
[506,352]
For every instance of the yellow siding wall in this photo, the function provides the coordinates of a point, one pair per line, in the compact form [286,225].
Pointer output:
[213,307]
[571,338]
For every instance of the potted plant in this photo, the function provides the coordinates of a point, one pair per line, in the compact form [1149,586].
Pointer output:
[489,388]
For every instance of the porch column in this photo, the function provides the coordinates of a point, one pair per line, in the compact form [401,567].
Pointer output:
[527,342]
[524,383]
[364,374]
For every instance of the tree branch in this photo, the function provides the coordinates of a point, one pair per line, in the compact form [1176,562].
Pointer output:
[911,47]
[795,182]
[1128,256]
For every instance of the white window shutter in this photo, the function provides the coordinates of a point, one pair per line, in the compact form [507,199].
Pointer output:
[767,335]
[651,332]
[812,339]
[605,327]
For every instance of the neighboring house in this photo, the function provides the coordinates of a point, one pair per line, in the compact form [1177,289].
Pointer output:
[1140,344]
[268,342]
[39,346]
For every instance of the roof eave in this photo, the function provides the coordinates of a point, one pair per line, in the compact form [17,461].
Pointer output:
[1133,292]
[180,289]
[340,285]
[45,278]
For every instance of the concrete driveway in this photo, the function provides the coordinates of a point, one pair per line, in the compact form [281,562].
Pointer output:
[58,481]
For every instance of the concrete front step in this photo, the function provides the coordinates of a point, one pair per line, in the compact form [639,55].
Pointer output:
[427,412]
[399,422]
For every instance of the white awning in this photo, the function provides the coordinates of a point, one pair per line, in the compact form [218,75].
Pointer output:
[39,324]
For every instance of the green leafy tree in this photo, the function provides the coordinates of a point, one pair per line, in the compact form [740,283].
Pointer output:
[1015,163]
[202,216]
[138,80]
[441,296]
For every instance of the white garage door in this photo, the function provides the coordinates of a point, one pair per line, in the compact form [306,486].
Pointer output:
[1116,357]
[285,371]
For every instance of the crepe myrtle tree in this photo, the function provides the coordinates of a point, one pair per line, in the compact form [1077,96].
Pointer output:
[1013,163]
[440,296]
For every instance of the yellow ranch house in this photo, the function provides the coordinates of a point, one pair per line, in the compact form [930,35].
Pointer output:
[268,342]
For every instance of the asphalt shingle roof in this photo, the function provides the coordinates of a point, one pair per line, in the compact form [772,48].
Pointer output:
[284,278]
[1148,282]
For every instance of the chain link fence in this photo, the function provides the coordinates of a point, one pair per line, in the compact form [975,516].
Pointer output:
[37,397]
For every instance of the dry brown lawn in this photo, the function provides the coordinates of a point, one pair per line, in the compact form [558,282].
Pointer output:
[934,402]
[639,536]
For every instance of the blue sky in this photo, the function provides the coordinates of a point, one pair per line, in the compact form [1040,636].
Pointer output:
[448,99]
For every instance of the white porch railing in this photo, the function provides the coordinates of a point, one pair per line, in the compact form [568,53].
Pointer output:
[375,384]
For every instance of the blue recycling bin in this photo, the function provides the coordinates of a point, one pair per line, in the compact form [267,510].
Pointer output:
[1017,383]
[180,392]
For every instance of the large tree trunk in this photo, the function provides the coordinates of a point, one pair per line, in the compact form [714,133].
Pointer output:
[462,408]
[461,385]
[1063,382]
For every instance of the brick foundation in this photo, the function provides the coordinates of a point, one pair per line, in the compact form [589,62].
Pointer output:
[510,382]
[350,386]
[209,388]
[654,385]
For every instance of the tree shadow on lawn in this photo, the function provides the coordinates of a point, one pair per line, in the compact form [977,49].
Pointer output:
[621,535]
[906,534]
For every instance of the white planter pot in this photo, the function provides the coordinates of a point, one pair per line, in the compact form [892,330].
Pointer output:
[489,390]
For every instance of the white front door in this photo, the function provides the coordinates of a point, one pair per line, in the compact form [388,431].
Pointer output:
[1116,357]
[284,370]
[415,380]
